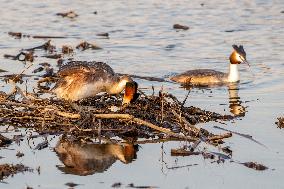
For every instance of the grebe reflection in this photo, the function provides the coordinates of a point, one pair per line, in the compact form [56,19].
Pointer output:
[86,159]
[235,102]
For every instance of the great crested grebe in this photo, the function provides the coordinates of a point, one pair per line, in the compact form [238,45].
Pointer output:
[212,77]
[81,79]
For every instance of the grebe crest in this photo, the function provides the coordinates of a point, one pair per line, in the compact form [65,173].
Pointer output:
[81,79]
[238,56]
[205,77]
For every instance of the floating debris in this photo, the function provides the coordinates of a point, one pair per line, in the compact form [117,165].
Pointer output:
[17,78]
[15,34]
[183,152]
[71,184]
[116,185]
[85,45]
[182,166]
[280,122]
[234,30]
[170,47]
[6,170]
[22,56]
[103,34]
[46,46]
[19,35]
[242,135]
[131,185]
[255,166]
[42,145]
[67,49]
[2,70]
[47,37]
[53,56]
[19,154]
[4,141]
[70,14]
[180,27]
[39,69]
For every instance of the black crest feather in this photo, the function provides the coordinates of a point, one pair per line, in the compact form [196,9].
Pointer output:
[240,50]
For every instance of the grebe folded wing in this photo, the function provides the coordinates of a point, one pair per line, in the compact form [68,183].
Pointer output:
[83,66]
[200,76]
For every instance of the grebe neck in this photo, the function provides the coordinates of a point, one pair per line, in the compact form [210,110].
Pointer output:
[117,87]
[233,73]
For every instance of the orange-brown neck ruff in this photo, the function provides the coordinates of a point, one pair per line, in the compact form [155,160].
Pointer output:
[130,94]
[129,152]
[234,58]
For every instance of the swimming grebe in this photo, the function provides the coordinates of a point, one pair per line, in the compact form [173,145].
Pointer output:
[79,80]
[212,77]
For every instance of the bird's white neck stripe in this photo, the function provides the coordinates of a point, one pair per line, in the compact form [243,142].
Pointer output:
[233,73]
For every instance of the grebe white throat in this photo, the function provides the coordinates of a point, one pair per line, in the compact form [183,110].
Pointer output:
[233,73]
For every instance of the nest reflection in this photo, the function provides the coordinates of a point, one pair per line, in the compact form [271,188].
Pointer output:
[80,158]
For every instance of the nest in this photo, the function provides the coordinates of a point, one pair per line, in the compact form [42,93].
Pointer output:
[161,116]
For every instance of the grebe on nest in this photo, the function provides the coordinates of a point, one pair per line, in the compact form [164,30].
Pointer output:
[81,79]
[212,77]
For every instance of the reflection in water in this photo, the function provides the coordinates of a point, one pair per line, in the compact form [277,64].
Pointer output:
[86,159]
[235,102]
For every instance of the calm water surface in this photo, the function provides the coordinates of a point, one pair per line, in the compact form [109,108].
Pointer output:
[142,42]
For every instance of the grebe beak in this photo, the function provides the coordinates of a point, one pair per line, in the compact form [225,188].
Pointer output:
[130,93]
[245,61]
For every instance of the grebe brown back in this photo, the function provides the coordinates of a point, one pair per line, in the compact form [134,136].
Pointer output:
[81,79]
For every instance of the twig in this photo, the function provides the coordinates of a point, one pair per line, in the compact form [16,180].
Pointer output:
[220,137]
[67,114]
[46,108]
[32,117]
[159,140]
[162,108]
[184,101]
[183,166]
[187,125]
[243,135]
[145,123]
[183,152]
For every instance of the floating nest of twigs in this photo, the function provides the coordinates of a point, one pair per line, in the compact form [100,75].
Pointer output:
[161,116]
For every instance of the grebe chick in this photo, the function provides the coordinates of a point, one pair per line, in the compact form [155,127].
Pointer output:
[212,77]
[79,80]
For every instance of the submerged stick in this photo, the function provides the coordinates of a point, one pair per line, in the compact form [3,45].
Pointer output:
[242,135]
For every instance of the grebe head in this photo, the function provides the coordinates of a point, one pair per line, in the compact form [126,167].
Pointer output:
[123,80]
[238,56]
[130,93]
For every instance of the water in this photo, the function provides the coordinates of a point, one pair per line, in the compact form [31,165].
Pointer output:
[142,42]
